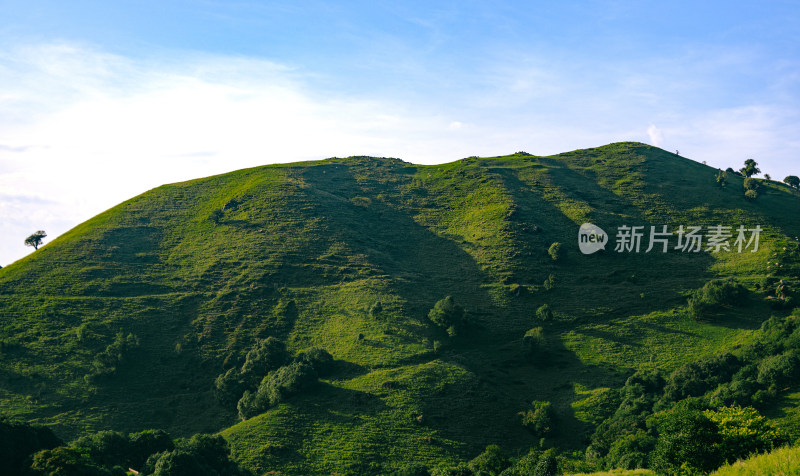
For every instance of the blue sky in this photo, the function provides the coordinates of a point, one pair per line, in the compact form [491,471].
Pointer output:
[100,101]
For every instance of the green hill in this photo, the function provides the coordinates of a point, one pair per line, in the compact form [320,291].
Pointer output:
[125,321]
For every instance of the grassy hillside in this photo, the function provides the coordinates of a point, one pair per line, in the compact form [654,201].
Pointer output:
[198,271]
[783,461]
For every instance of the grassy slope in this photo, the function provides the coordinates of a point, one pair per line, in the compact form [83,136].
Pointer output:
[781,462]
[303,250]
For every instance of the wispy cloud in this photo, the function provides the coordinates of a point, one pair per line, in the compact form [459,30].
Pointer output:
[86,129]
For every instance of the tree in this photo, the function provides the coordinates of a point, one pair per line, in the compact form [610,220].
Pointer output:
[555,251]
[35,239]
[687,440]
[768,177]
[491,462]
[533,341]
[544,313]
[447,315]
[792,181]
[722,178]
[750,168]
[538,419]
[744,431]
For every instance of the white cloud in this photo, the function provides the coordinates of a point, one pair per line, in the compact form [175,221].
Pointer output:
[656,136]
[85,130]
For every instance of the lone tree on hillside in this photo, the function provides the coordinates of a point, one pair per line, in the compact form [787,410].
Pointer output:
[750,168]
[35,239]
[792,181]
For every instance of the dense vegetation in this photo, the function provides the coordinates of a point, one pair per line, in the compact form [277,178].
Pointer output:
[371,316]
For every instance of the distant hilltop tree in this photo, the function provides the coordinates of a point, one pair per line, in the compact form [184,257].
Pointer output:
[750,168]
[792,181]
[35,239]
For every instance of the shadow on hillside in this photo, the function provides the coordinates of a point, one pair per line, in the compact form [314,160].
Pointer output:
[392,241]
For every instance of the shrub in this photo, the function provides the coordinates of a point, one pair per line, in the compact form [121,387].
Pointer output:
[105,447]
[714,295]
[555,251]
[549,283]
[750,184]
[694,379]
[276,387]
[19,440]
[491,462]
[269,354]
[543,313]
[539,419]
[779,370]
[751,195]
[65,461]
[722,178]
[106,362]
[533,341]
[631,451]
[547,466]
[743,431]
[318,358]
[687,440]
[200,455]
[228,386]
[446,314]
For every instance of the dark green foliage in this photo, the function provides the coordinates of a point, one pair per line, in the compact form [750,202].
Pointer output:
[715,295]
[547,466]
[18,441]
[216,216]
[792,181]
[491,462]
[750,184]
[639,395]
[145,443]
[539,419]
[105,448]
[375,309]
[686,438]
[544,313]
[779,370]
[35,239]
[696,378]
[751,195]
[533,341]
[722,178]
[319,359]
[229,386]
[105,363]
[201,455]
[64,461]
[448,469]
[276,387]
[750,168]
[631,451]
[549,283]
[412,470]
[555,251]
[267,355]
[448,315]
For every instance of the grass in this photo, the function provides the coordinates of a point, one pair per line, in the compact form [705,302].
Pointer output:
[781,462]
[303,251]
